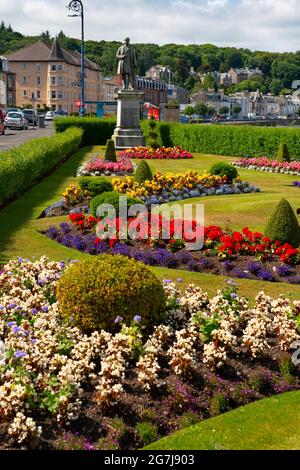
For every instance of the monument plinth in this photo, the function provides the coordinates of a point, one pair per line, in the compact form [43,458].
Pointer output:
[128,131]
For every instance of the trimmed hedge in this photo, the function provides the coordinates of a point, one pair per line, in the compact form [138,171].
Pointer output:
[226,139]
[229,140]
[96,131]
[22,167]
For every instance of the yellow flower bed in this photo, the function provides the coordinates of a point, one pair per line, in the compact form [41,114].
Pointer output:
[168,182]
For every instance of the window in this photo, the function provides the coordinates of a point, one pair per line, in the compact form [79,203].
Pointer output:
[24,92]
[53,67]
[24,66]
[37,67]
[60,67]
[53,95]
[24,80]
[38,94]
[60,81]
[60,95]
[38,81]
[53,81]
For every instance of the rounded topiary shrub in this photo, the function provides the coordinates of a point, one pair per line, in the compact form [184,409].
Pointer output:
[224,169]
[143,172]
[110,151]
[96,291]
[112,198]
[283,154]
[95,185]
[283,225]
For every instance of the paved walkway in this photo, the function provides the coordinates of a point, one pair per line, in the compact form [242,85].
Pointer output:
[14,138]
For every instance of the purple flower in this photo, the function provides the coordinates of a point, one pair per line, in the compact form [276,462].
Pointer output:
[20,354]
[45,309]
[137,319]
[11,324]
[284,271]
[167,281]
[17,330]
[180,280]
[265,275]
[12,306]
[233,295]
[118,319]
[34,311]
[254,267]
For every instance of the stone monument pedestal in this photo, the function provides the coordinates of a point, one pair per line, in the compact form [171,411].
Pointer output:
[128,132]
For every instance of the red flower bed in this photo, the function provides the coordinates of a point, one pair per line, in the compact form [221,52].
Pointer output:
[163,153]
[228,243]
[217,242]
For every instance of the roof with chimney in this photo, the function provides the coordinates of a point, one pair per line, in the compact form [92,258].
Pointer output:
[40,52]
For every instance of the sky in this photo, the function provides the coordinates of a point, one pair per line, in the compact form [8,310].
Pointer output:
[272,25]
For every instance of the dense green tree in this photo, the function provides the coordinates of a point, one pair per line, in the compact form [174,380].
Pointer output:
[224,110]
[189,111]
[201,109]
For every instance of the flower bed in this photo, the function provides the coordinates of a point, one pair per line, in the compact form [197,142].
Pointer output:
[62,389]
[169,153]
[98,167]
[245,255]
[271,166]
[175,187]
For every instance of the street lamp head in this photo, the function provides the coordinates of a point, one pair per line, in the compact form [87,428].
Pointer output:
[76,5]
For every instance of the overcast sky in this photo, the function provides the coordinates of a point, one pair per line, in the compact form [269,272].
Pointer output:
[255,24]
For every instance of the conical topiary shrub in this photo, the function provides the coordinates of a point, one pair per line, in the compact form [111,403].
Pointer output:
[283,154]
[283,225]
[143,172]
[110,151]
[152,134]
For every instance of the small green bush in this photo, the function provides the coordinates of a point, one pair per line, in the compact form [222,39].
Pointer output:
[283,225]
[97,290]
[96,131]
[95,186]
[143,172]
[22,167]
[147,432]
[110,151]
[283,153]
[113,199]
[224,169]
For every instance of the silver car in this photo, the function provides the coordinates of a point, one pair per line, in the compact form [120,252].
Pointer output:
[15,120]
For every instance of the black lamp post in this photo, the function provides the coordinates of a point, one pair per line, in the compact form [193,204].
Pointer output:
[77,7]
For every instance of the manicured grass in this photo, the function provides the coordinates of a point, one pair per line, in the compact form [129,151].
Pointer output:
[19,223]
[270,424]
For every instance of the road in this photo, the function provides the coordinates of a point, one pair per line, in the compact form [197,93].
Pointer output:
[14,138]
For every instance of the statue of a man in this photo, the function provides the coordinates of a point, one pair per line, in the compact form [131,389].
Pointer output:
[127,65]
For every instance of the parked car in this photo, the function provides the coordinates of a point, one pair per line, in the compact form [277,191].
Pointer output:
[59,113]
[15,121]
[31,116]
[49,116]
[13,110]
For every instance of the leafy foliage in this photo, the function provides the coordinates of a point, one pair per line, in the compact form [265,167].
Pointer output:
[112,198]
[143,172]
[110,151]
[96,131]
[283,225]
[224,169]
[95,185]
[98,290]
[283,153]
[22,167]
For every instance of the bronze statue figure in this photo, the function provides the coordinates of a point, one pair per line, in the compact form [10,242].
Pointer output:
[127,65]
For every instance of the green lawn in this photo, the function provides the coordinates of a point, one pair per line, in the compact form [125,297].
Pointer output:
[270,424]
[19,223]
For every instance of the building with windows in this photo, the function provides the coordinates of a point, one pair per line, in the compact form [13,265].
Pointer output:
[7,85]
[51,77]
[156,91]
